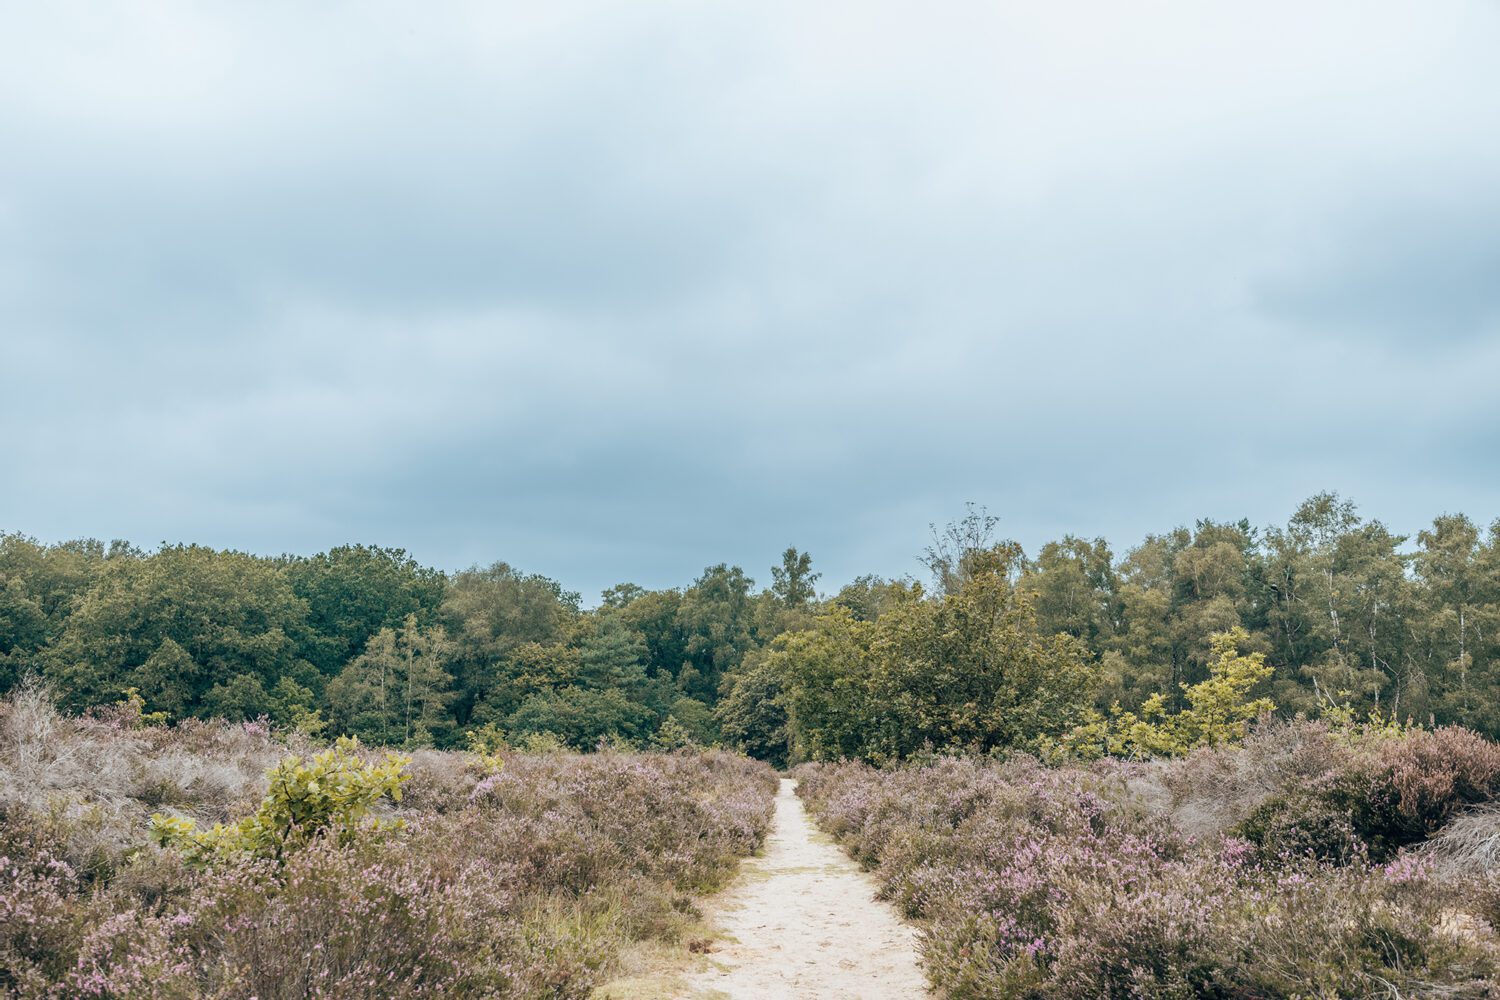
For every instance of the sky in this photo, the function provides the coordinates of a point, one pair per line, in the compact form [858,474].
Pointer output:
[617,291]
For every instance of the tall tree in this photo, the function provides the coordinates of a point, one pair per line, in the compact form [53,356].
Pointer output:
[354,591]
[491,613]
[793,581]
[399,689]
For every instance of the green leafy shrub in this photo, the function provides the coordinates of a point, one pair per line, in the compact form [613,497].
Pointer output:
[330,794]
[488,745]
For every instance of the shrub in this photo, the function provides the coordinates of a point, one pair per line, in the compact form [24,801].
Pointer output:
[1080,881]
[1414,783]
[1219,712]
[523,882]
[331,794]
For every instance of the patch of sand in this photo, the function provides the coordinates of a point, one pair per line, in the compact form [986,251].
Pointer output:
[802,921]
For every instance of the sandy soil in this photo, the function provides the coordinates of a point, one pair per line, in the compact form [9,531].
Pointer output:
[802,921]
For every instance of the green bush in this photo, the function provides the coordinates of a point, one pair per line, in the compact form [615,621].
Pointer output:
[330,794]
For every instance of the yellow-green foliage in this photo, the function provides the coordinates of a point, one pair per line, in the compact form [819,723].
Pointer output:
[488,744]
[332,793]
[132,707]
[1346,725]
[1218,711]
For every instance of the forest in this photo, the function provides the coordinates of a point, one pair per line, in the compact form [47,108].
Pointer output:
[993,647]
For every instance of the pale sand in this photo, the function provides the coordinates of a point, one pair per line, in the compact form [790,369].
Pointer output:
[802,921]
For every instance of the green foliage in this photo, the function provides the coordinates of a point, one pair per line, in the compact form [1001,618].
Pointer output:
[488,746]
[968,670]
[176,624]
[1340,607]
[1218,711]
[752,718]
[354,591]
[715,617]
[491,614]
[132,711]
[672,736]
[794,582]
[329,795]
[399,689]
[242,696]
[580,717]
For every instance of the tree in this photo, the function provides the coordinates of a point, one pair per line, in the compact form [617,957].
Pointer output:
[1074,589]
[493,612]
[228,612]
[751,717]
[971,669]
[967,669]
[715,617]
[870,596]
[242,696]
[354,591]
[399,689]
[1458,621]
[170,675]
[793,581]
[950,555]
[1219,711]
[653,615]
[581,717]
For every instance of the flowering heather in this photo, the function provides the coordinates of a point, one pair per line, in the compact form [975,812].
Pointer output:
[1158,879]
[524,883]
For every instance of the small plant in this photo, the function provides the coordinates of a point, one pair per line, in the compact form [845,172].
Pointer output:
[672,736]
[330,794]
[1345,723]
[543,743]
[131,711]
[487,744]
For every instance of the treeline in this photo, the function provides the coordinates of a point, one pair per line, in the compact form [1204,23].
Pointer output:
[1000,649]
[366,641]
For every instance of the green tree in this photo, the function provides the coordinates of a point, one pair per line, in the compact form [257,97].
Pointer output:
[1074,590]
[966,669]
[794,581]
[242,696]
[581,717]
[493,612]
[230,613]
[354,591]
[399,689]
[715,616]
[751,717]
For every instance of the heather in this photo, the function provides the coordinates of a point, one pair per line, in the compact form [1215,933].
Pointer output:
[499,874]
[1311,861]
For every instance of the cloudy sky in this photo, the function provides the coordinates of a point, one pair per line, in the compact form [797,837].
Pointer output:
[614,291]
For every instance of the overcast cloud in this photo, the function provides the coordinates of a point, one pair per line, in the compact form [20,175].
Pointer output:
[614,291]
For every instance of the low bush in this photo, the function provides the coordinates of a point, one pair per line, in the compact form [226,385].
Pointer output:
[1086,881]
[328,796]
[519,877]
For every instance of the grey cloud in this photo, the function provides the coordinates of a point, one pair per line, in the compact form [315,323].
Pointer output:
[1422,275]
[620,293]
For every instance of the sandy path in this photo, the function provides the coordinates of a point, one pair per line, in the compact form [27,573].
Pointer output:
[802,921]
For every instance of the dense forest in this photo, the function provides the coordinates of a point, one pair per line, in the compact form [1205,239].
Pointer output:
[998,647]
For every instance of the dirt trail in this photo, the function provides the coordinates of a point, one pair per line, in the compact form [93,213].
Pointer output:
[802,921]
